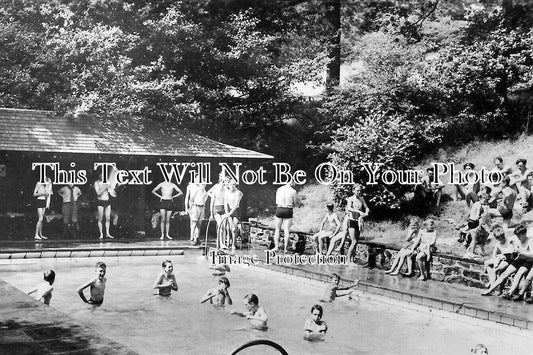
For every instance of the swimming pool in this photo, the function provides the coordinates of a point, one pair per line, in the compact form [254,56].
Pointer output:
[149,324]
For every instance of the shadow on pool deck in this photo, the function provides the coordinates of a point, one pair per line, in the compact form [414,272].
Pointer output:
[30,327]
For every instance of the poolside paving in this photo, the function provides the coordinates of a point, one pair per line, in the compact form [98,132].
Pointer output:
[30,327]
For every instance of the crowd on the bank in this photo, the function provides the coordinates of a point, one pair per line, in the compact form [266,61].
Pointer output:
[491,208]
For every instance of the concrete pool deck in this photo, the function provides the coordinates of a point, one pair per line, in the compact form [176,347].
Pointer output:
[30,327]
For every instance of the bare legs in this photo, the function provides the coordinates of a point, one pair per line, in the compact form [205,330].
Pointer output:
[421,259]
[508,272]
[104,211]
[233,222]
[39,224]
[284,223]
[165,223]
[398,262]
[339,236]
[220,235]
[353,245]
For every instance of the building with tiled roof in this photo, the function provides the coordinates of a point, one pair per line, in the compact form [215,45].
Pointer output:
[77,143]
[43,131]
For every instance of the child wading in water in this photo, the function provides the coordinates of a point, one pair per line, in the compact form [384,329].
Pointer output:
[43,291]
[97,285]
[331,291]
[166,282]
[220,292]
[255,314]
[315,327]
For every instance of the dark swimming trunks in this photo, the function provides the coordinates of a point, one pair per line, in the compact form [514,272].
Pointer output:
[103,203]
[165,205]
[235,213]
[91,301]
[284,212]
[219,209]
[472,224]
[506,214]
[41,203]
[518,263]
[352,224]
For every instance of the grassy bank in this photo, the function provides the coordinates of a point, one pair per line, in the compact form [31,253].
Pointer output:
[313,197]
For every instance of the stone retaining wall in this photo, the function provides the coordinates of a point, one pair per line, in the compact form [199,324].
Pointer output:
[446,268]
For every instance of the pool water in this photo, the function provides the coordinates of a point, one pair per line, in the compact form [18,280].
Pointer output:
[179,324]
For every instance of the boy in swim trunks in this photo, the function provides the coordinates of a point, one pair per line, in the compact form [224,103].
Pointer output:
[43,193]
[505,206]
[195,198]
[232,200]
[166,281]
[285,200]
[70,195]
[331,291]
[315,327]
[165,204]
[521,183]
[329,227]
[97,286]
[255,314]
[356,210]
[221,293]
[43,291]
[217,194]
[104,207]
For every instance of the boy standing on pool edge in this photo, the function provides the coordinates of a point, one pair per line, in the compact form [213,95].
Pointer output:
[97,285]
[286,199]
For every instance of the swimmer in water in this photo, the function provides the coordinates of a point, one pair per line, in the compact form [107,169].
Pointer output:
[255,314]
[220,270]
[43,291]
[221,293]
[97,285]
[331,291]
[315,327]
[166,281]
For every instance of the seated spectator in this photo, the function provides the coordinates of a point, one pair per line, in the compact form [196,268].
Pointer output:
[521,184]
[527,256]
[503,169]
[429,191]
[493,193]
[407,251]
[340,236]
[522,264]
[329,227]
[468,191]
[424,251]
[503,254]
[476,230]
[505,206]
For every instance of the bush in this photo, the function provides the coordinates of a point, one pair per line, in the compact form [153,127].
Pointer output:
[376,138]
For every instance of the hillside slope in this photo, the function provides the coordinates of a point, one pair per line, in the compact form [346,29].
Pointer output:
[314,196]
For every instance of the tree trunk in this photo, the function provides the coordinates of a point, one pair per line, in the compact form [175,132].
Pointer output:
[333,16]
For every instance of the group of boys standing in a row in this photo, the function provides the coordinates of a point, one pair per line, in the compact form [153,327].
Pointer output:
[224,195]
[225,200]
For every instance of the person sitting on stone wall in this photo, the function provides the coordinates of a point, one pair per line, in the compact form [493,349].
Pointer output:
[407,251]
